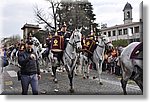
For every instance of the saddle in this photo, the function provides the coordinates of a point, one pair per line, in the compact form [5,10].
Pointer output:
[137,52]
[57,43]
[88,45]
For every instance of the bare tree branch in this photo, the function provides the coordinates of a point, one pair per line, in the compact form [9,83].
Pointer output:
[45,21]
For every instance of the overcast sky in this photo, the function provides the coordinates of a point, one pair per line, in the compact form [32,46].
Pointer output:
[15,13]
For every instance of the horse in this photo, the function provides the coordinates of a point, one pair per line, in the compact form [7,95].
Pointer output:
[37,47]
[131,67]
[97,57]
[46,59]
[69,56]
[14,56]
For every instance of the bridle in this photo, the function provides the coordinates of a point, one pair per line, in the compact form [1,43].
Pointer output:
[74,45]
[106,44]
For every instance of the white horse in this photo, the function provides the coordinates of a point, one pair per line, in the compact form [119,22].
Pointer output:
[37,47]
[98,56]
[131,67]
[14,57]
[70,56]
[46,59]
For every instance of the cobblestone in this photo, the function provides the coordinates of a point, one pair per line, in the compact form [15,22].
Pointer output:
[111,84]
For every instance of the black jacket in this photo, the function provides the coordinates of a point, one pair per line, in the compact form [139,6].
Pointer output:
[28,65]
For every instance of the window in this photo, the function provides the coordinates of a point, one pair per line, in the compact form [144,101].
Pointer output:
[128,14]
[104,33]
[136,29]
[131,30]
[114,33]
[125,31]
[109,33]
[120,32]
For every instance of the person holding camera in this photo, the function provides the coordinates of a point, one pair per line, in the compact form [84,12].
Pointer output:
[30,72]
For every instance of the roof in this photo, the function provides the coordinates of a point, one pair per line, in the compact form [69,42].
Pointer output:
[127,6]
[120,26]
[31,26]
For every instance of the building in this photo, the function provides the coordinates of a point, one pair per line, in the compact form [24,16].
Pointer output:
[29,28]
[129,30]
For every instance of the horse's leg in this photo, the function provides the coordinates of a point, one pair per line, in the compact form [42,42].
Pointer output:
[76,70]
[2,69]
[86,69]
[124,83]
[71,81]
[139,82]
[125,77]
[85,65]
[138,78]
[14,60]
[47,63]
[50,65]
[80,67]
[54,73]
[43,60]
[99,69]
[70,76]
[11,60]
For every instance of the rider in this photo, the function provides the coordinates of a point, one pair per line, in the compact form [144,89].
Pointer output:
[89,55]
[63,32]
[47,45]
[66,34]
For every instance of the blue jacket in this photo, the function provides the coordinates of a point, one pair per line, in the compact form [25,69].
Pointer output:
[28,65]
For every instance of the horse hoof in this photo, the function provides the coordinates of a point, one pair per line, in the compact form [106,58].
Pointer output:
[94,77]
[84,77]
[55,80]
[72,90]
[100,83]
[52,75]
[76,74]
[87,77]
[43,92]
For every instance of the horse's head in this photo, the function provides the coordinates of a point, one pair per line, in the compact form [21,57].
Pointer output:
[107,43]
[76,35]
[36,43]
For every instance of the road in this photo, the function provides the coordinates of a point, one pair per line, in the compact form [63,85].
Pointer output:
[111,84]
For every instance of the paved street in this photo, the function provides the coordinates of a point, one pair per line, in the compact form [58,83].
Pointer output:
[111,84]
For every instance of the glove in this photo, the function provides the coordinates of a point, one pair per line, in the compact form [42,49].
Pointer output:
[32,56]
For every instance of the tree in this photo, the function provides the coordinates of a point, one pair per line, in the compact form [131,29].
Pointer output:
[12,40]
[121,42]
[77,14]
[42,17]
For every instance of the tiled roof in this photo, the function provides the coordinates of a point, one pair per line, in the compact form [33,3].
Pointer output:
[120,26]
[127,6]
[31,26]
